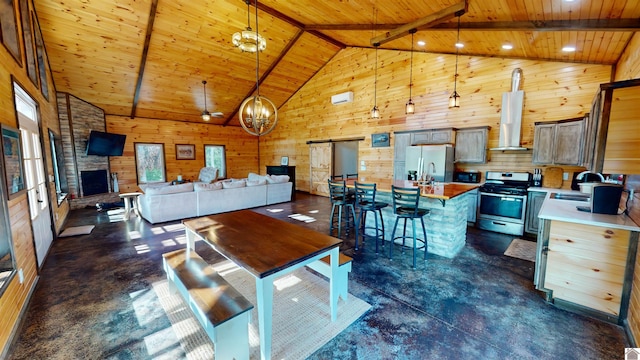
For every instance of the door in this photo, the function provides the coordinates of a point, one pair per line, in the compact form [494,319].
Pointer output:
[320,160]
[35,177]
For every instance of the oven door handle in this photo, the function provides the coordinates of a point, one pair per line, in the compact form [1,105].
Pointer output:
[499,223]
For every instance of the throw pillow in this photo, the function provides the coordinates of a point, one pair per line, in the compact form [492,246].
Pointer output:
[207,187]
[144,187]
[256,177]
[208,174]
[275,179]
[234,184]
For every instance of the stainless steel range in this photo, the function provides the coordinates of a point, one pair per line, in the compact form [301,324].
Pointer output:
[503,201]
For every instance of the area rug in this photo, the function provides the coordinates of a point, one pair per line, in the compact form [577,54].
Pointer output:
[301,314]
[522,249]
[77,230]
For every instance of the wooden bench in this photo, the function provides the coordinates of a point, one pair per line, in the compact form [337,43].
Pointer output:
[221,310]
[323,266]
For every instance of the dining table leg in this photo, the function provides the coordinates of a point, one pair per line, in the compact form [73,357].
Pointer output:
[264,292]
[334,257]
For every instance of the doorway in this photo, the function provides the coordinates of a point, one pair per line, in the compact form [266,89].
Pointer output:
[330,158]
[35,176]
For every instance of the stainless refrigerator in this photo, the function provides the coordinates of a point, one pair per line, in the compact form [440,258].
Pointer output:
[431,160]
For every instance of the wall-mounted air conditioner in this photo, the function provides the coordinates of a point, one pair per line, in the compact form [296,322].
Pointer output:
[346,97]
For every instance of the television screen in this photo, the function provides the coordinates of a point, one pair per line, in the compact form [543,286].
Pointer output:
[105,144]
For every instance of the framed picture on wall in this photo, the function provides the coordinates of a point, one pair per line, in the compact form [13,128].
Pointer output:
[12,157]
[9,31]
[185,152]
[380,140]
[40,56]
[284,161]
[29,46]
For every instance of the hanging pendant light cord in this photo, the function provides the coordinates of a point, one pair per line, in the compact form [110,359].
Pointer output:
[411,64]
[455,77]
[258,54]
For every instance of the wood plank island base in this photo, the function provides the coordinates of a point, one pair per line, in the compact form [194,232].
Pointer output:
[446,222]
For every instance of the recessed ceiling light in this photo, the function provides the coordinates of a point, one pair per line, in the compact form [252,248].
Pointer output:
[569,49]
[507,46]
[421,43]
[459,45]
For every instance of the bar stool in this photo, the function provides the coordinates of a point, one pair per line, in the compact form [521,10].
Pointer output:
[365,202]
[405,206]
[340,197]
[130,204]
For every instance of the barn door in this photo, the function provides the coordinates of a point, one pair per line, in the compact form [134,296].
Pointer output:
[320,156]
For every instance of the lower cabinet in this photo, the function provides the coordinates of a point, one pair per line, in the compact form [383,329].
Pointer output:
[472,205]
[534,203]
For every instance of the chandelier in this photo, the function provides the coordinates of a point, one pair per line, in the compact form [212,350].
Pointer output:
[248,40]
[258,115]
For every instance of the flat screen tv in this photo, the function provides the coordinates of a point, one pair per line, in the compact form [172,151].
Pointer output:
[105,144]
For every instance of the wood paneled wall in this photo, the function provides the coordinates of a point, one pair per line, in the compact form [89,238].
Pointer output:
[553,91]
[629,65]
[14,300]
[241,148]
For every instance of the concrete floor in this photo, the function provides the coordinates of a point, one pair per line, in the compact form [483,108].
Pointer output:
[94,300]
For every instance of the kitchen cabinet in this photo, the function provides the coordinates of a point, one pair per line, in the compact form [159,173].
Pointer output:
[433,136]
[400,143]
[534,203]
[471,145]
[472,205]
[559,142]
[586,265]
[614,146]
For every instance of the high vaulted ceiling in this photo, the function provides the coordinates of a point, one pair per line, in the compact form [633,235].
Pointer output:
[147,58]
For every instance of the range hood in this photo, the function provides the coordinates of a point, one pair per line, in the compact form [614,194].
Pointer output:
[511,115]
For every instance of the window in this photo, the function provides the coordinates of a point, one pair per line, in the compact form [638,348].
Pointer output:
[57,158]
[150,163]
[215,156]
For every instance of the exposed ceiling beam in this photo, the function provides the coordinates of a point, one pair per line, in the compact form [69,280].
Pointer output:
[143,58]
[431,20]
[553,25]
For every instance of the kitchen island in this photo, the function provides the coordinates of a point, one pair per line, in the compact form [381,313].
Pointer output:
[446,222]
[585,261]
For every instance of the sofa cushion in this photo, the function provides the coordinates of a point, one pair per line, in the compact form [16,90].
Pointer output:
[173,189]
[275,179]
[256,177]
[256,182]
[207,187]
[146,186]
[233,184]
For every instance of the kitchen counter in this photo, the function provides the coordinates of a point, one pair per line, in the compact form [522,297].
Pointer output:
[446,223]
[565,210]
[585,261]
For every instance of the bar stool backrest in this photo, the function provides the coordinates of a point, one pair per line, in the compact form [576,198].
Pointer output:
[365,194]
[338,191]
[405,200]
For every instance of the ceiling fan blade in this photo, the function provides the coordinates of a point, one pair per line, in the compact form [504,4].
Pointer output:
[217,114]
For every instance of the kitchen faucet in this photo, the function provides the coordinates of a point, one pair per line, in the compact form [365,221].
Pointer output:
[431,169]
[582,174]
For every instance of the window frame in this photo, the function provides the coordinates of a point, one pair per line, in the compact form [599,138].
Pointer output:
[222,171]
[136,146]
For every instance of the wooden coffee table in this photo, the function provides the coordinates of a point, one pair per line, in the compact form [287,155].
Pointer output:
[267,248]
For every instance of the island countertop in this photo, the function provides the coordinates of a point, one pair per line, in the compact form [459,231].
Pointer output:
[565,210]
[443,191]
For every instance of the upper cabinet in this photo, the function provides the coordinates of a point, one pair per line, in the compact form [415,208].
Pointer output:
[471,145]
[559,142]
[614,130]
[433,136]
[400,143]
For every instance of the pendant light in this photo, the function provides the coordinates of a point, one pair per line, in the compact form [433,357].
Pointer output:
[206,116]
[454,99]
[375,112]
[258,115]
[410,107]
[248,40]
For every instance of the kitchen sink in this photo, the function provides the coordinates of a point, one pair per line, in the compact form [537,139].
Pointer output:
[572,196]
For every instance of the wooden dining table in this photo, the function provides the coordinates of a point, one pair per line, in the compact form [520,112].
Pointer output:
[267,248]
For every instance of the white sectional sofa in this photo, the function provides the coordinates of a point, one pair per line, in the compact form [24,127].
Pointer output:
[164,202]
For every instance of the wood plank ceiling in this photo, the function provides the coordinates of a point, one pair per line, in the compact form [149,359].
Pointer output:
[147,58]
